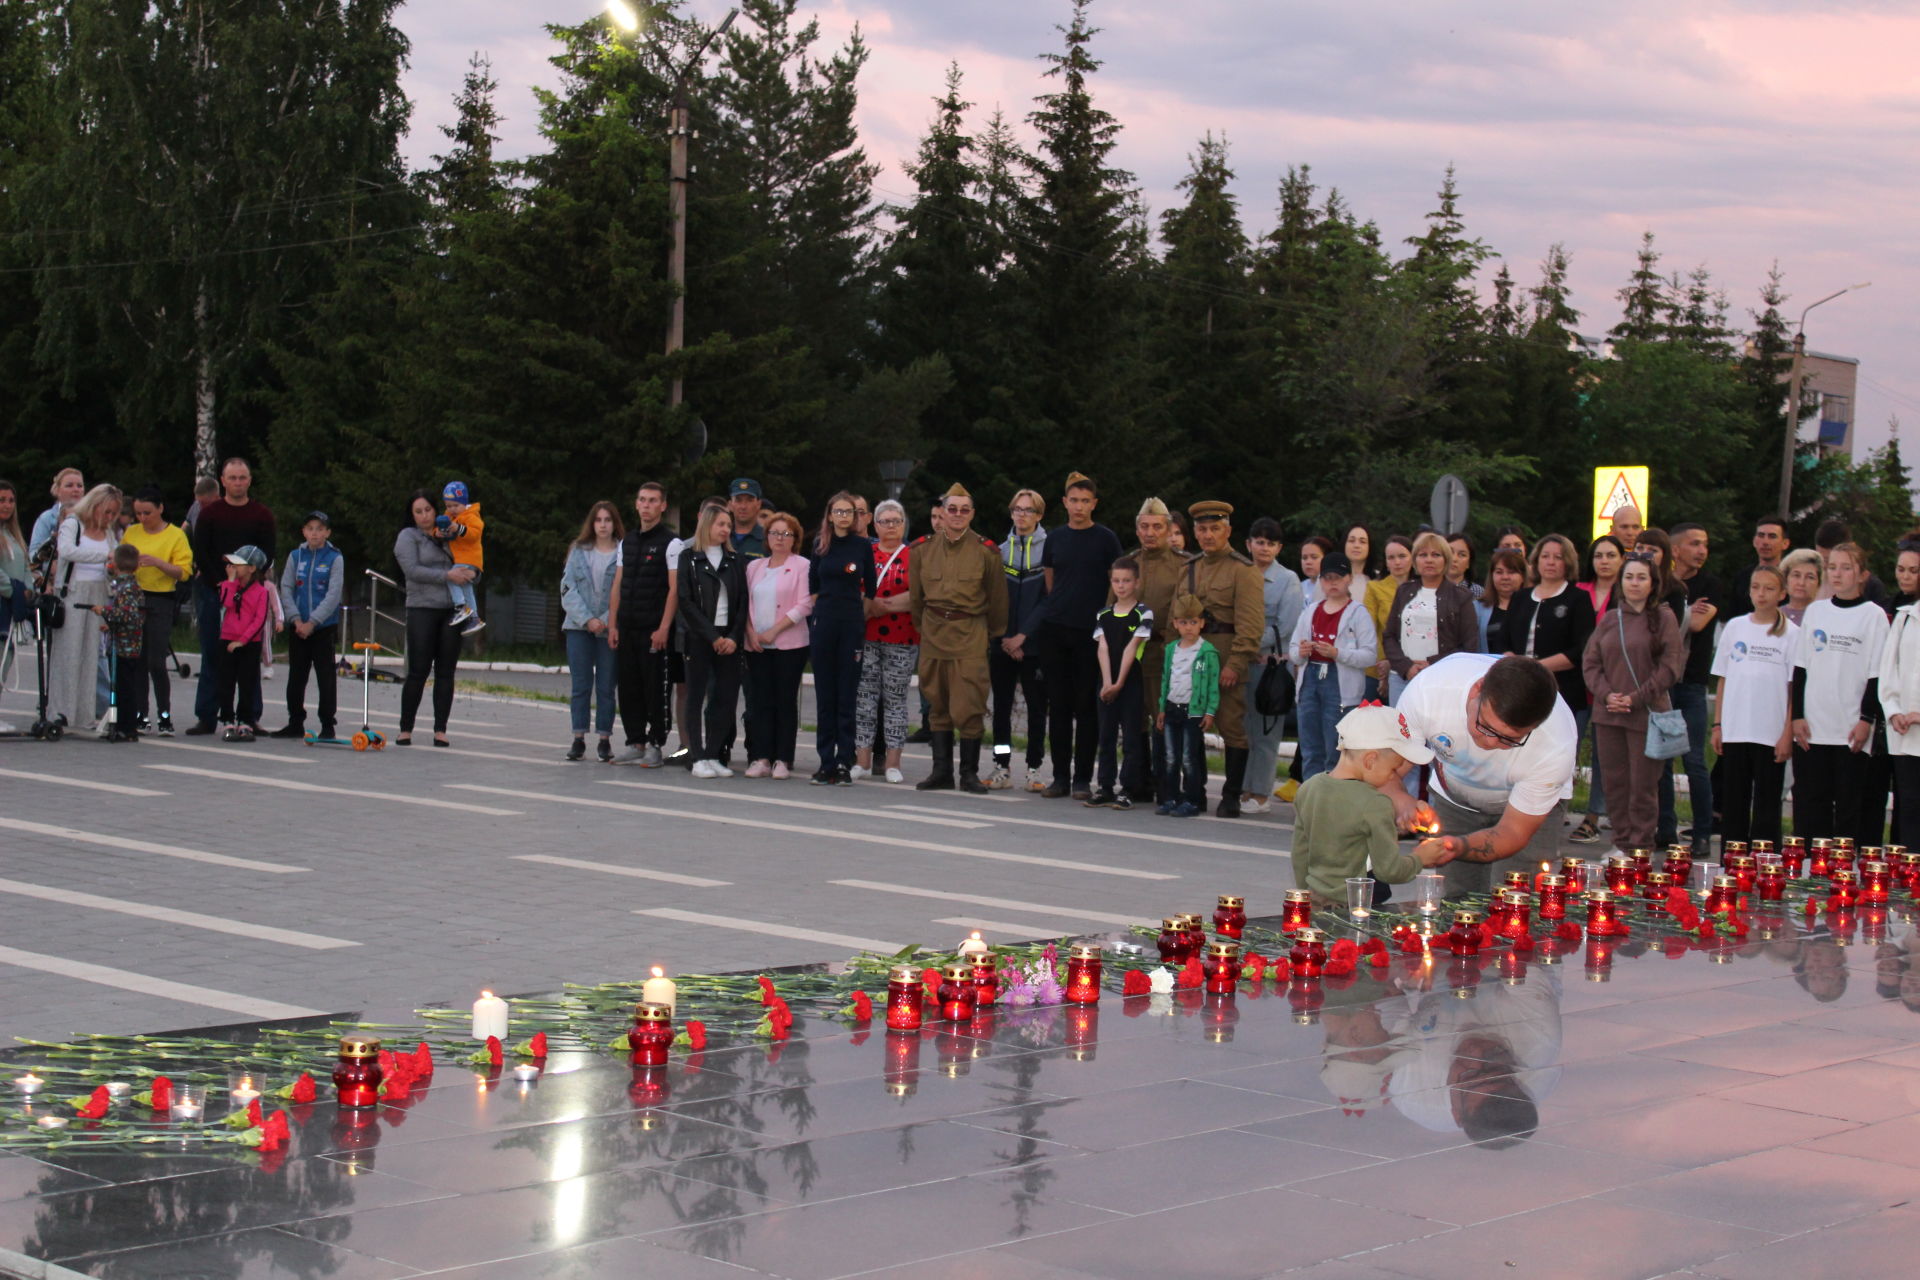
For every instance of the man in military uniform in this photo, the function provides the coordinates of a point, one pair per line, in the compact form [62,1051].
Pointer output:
[957,592]
[1231,591]
[1162,569]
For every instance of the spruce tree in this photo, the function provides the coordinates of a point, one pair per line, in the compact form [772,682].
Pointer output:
[1643,301]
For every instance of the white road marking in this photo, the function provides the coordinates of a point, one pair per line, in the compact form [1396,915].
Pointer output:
[614,869]
[773,930]
[1104,832]
[983,900]
[128,844]
[170,915]
[892,843]
[465,731]
[159,988]
[231,751]
[942,821]
[60,780]
[1021,931]
[502,757]
[286,784]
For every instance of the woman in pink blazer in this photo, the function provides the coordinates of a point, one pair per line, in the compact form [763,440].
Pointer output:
[778,604]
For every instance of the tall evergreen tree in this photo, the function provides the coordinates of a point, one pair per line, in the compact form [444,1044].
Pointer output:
[1765,362]
[1643,300]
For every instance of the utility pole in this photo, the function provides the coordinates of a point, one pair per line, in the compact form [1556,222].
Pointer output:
[1792,441]
[680,138]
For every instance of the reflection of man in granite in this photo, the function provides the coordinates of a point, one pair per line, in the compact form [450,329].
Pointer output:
[1479,1066]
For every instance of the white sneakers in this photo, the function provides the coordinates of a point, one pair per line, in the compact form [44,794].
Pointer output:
[711,769]
[894,775]
[857,773]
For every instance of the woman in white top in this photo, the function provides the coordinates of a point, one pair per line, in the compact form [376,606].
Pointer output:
[1753,734]
[85,540]
[1430,617]
[1836,700]
[1900,699]
[712,583]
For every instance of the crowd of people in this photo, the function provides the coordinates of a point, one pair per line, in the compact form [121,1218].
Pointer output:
[1129,657]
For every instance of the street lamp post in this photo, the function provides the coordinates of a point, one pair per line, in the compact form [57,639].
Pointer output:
[1793,397]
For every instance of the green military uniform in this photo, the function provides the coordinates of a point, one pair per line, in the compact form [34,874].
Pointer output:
[1234,597]
[957,589]
[1162,577]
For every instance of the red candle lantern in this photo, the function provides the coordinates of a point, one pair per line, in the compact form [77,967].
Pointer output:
[1553,897]
[1519,913]
[1820,860]
[1642,867]
[1083,974]
[1845,892]
[1575,870]
[1771,879]
[956,993]
[1679,864]
[1655,894]
[357,1076]
[1603,913]
[986,979]
[1843,845]
[1464,937]
[1082,1031]
[1876,883]
[1220,967]
[1758,847]
[1518,880]
[652,1034]
[906,998]
[902,1072]
[1196,931]
[1793,852]
[1620,874]
[1296,910]
[1907,866]
[1173,940]
[1308,956]
[1230,917]
[1724,894]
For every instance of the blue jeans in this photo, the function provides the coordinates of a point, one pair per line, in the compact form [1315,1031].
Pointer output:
[1186,748]
[590,659]
[1690,700]
[1319,713]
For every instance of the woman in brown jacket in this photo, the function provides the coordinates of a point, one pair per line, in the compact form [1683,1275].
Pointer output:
[1430,617]
[1632,660]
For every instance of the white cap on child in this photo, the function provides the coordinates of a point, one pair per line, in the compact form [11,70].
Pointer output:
[1374,727]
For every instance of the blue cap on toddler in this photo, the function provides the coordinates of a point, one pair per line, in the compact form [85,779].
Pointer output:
[454,492]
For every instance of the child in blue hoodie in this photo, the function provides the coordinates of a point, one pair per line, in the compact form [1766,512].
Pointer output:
[311,585]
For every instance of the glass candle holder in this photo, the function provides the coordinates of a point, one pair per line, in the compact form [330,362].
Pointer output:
[1296,910]
[986,980]
[1655,892]
[1196,931]
[1173,940]
[1464,937]
[1519,914]
[652,1036]
[1553,897]
[1642,866]
[906,998]
[1723,894]
[357,1074]
[1679,864]
[1603,913]
[1845,891]
[1516,879]
[1220,967]
[190,1100]
[1620,874]
[1793,852]
[1743,867]
[1359,897]
[1876,883]
[1844,845]
[1230,916]
[1308,956]
[1820,858]
[1429,890]
[1907,867]
[1083,974]
[1497,909]
[1730,847]
[1575,870]
[956,993]
[1770,881]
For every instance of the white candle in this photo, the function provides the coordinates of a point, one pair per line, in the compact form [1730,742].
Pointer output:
[28,1084]
[185,1109]
[659,989]
[117,1089]
[52,1122]
[973,946]
[242,1096]
[526,1071]
[489,1016]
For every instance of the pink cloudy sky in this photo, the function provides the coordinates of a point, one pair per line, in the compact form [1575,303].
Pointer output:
[1739,133]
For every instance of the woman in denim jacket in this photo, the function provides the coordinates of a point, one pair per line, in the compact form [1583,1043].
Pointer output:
[585,589]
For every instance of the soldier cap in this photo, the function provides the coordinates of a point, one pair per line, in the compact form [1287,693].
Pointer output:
[957,491]
[1211,509]
[1188,605]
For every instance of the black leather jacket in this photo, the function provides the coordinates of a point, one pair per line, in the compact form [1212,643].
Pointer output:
[700,585]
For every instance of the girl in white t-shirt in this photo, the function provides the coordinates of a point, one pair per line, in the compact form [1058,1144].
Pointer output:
[1900,699]
[1753,734]
[1836,700]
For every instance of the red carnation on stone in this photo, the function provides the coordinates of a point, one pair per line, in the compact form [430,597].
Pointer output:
[766,989]
[1255,967]
[1410,944]
[862,1007]
[1379,960]
[1192,974]
[304,1090]
[929,976]
[422,1063]
[274,1133]
[496,1056]
[1282,970]
[254,1116]
[1374,947]
[1340,968]
[1136,983]
[1523,943]
[1344,949]
[1567,930]
[538,1045]
[1706,929]
[386,1062]
[96,1105]
[696,1034]
[399,1085]
[162,1093]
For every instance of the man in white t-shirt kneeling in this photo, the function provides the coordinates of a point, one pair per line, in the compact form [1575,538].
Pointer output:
[1503,746]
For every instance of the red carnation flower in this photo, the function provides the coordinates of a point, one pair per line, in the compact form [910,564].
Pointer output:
[96,1105]
[1523,943]
[274,1133]
[1344,949]
[1136,983]
[304,1090]
[538,1045]
[495,1055]
[386,1062]
[862,1007]
[766,988]
[1255,967]
[423,1062]
[162,1093]
[1192,974]
[1706,929]
[1340,968]
[696,1034]
[1282,970]
[399,1086]
[1567,930]
[254,1116]
[1374,947]
[1410,945]
[1379,960]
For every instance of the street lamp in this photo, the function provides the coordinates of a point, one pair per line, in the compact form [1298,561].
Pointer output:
[1793,397]
[894,474]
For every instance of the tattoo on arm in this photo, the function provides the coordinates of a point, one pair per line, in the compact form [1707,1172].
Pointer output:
[1479,847]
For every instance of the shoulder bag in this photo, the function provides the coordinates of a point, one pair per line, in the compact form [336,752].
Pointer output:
[1666,730]
[1273,695]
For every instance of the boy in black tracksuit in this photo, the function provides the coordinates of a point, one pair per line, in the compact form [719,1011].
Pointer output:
[1121,632]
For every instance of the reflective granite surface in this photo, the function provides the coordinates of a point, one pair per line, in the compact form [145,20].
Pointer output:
[1732,1111]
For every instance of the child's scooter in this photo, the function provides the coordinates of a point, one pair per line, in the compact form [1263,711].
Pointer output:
[369,738]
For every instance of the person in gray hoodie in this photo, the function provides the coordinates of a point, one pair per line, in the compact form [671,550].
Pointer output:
[433,646]
[311,584]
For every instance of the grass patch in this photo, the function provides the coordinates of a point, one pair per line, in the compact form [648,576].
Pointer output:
[498,690]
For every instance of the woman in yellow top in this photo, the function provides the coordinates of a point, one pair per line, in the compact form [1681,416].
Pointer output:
[1379,601]
[166,558]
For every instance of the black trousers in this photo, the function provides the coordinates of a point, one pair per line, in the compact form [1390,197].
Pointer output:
[773,690]
[645,684]
[433,648]
[1838,792]
[156,644]
[314,654]
[1123,726]
[838,639]
[239,680]
[1008,675]
[1906,805]
[1070,658]
[1750,795]
[129,691]
[713,697]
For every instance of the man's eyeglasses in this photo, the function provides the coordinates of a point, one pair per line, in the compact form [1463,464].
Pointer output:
[1486,730]
[954,510]
[1025,511]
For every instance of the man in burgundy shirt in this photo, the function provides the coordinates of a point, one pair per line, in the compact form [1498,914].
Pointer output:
[233,521]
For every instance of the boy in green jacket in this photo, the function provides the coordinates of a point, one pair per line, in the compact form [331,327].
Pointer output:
[1189,695]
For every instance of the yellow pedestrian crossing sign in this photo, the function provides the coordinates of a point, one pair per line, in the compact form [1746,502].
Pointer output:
[1616,487]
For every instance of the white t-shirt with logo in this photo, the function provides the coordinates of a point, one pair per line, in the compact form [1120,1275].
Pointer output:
[1758,669]
[1532,778]
[1840,649]
[1420,625]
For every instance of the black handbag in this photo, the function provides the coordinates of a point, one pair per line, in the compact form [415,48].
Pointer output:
[53,608]
[1273,695]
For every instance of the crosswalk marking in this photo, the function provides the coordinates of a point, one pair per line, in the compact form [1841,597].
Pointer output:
[171,915]
[160,988]
[1104,832]
[85,784]
[131,844]
[614,869]
[985,900]
[773,930]
[945,820]
[288,784]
